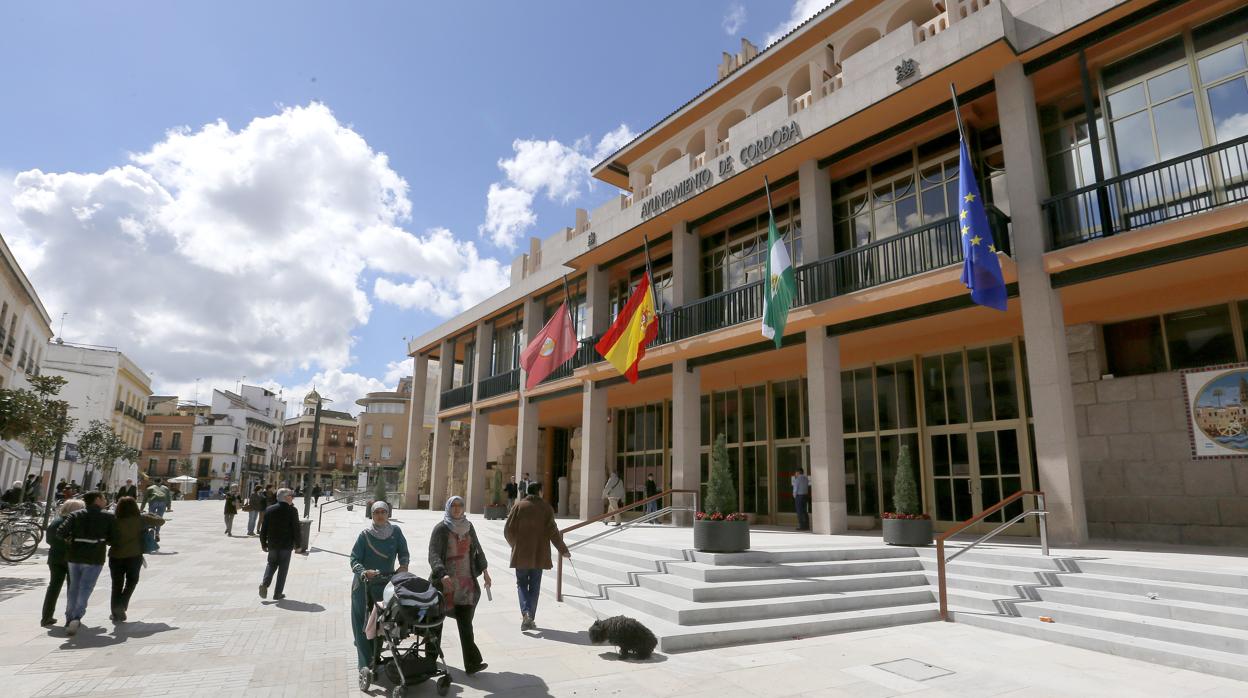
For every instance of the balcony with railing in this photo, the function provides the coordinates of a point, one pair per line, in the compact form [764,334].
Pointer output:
[500,384]
[1187,185]
[456,397]
[584,356]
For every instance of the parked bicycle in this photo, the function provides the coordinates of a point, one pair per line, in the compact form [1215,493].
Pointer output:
[20,536]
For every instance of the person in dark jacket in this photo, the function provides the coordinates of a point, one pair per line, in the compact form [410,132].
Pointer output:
[256,505]
[128,490]
[125,554]
[86,533]
[231,509]
[270,497]
[316,495]
[13,495]
[57,566]
[279,536]
[455,561]
[530,530]
[512,492]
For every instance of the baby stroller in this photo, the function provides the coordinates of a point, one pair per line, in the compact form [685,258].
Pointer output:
[410,607]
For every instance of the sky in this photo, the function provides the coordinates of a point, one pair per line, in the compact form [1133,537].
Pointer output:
[282,193]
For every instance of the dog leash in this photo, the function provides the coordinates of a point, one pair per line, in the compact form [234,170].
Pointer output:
[582,586]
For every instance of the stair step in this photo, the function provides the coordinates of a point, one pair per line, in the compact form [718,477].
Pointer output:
[1145,649]
[1001,588]
[1178,591]
[1031,559]
[735,573]
[694,590]
[1166,574]
[688,613]
[770,557]
[969,568]
[1161,607]
[1220,639]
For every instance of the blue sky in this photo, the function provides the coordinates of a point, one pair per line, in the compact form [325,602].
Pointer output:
[441,89]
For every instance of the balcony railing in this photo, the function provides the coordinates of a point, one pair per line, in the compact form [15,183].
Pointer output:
[584,356]
[501,384]
[933,246]
[723,309]
[1189,184]
[456,397]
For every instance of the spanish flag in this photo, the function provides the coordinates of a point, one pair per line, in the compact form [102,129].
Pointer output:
[635,327]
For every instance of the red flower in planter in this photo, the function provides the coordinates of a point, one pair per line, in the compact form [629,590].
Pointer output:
[719,516]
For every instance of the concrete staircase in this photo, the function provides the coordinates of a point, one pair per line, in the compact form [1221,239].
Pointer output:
[696,600]
[1188,619]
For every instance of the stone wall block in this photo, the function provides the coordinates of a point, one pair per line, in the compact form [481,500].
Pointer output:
[1153,533]
[1130,447]
[1084,393]
[1208,477]
[1099,530]
[1148,477]
[1144,387]
[1182,510]
[1116,390]
[1079,368]
[1215,535]
[1081,337]
[1093,448]
[1119,510]
[1233,511]
[1171,445]
[1240,469]
[1109,419]
[1151,416]
[1167,385]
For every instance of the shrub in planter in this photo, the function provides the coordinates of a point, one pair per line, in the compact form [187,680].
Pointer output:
[906,524]
[719,527]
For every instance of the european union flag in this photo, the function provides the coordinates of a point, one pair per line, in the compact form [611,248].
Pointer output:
[981,271]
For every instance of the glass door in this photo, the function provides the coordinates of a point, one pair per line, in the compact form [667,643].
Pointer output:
[790,459]
[971,471]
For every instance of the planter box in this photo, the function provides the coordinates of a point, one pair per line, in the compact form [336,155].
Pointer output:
[721,536]
[915,532]
[495,512]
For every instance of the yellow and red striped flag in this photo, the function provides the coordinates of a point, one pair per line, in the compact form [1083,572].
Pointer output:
[636,326]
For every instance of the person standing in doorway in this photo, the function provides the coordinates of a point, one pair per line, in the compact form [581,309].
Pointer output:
[652,488]
[58,567]
[256,505]
[801,494]
[614,493]
[279,536]
[86,533]
[512,491]
[530,530]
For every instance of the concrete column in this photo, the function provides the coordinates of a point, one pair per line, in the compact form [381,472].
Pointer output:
[686,433]
[686,257]
[485,355]
[527,436]
[1044,325]
[827,443]
[478,446]
[594,428]
[816,85]
[815,190]
[530,324]
[415,432]
[597,301]
[438,464]
[446,368]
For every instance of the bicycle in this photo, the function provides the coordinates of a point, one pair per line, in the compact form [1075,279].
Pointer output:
[19,538]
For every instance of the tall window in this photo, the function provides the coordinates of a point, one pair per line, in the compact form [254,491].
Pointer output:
[1185,339]
[738,256]
[385,453]
[207,448]
[879,415]
[156,439]
[506,355]
[368,429]
[387,431]
[618,295]
[639,446]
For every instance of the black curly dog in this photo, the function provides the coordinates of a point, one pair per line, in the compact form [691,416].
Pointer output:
[629,635]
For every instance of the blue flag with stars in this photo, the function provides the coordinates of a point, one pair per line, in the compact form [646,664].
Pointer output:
[981,270]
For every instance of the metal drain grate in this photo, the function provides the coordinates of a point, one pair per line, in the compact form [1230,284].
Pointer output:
[913,669]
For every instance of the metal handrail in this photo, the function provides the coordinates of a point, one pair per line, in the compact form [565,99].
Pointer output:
[343,501]
[1039,511]
[645,518]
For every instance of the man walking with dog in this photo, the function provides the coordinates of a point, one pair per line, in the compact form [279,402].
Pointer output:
[530,530]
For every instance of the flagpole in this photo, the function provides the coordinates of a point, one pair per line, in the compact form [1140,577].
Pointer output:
[771,215]
[645,244]
[567,297]
[957,111]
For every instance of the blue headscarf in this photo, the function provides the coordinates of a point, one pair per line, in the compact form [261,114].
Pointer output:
[458,526]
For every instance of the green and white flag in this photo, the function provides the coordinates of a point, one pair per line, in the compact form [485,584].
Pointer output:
[781,284]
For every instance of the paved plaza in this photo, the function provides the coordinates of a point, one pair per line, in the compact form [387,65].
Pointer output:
[197,627]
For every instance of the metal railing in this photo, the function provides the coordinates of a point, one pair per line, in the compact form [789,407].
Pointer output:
[644,518]
[724,309]
[585,355]
[1039,512]
[500,384]
[347,499]
[456,397]
[1183,186]
[933,246]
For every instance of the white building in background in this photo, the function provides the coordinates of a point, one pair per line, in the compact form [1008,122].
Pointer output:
[104,384]
[260,413]
[217,449]
[25,329]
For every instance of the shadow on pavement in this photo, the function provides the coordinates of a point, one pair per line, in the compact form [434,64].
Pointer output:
[500,683]
[331,552]
[578,638]
[302,606]
[89,637]
[655,658]
[16,585]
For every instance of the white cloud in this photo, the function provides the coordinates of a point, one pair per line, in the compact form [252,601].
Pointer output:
[551,167]
[342,387]
[801,11]
[734,19]
[220,253]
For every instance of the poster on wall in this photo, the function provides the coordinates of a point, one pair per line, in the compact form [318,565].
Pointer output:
[1217,410]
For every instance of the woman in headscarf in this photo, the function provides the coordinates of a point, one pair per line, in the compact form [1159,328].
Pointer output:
[455,561]
[376,550]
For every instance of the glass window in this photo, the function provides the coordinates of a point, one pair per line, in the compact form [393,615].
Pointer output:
[1200,337]
[1228,103]
[737,256]
[933,391]
[1134,347]
[981,388]
[848,422]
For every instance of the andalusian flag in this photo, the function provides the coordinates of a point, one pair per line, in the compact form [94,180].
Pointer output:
[780,287]
[635,327]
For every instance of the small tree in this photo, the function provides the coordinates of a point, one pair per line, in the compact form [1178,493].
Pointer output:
[721,491]
[905,490]
[43,421]
[379,488]
[102,447]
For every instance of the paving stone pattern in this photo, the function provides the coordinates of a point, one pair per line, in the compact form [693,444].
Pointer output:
[198,628]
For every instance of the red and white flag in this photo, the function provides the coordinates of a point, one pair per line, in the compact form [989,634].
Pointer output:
[554,345]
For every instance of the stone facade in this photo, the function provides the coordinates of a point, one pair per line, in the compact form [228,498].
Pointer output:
[1140,480]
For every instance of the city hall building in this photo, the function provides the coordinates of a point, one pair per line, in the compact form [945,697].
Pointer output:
[1110,144]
